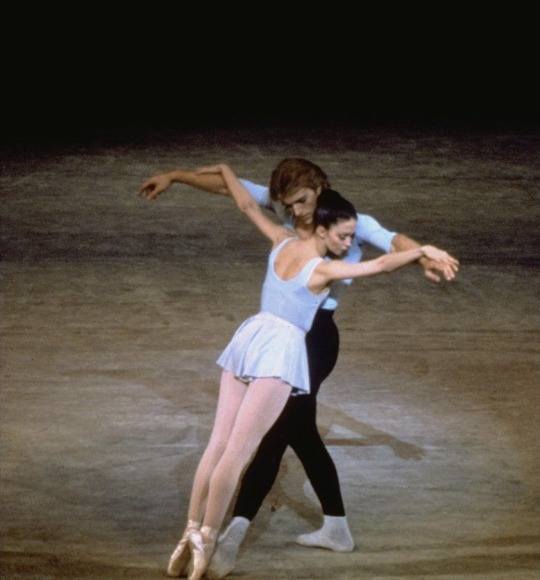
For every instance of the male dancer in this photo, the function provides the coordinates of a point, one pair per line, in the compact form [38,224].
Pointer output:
[294,187]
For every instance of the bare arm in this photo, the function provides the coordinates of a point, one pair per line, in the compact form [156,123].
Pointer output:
[328,271]
[246,204]
[156,185]
[432,268]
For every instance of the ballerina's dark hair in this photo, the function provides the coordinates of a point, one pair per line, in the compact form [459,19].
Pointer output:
[331,208]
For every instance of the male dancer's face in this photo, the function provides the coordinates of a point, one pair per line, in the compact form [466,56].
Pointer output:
[301,204]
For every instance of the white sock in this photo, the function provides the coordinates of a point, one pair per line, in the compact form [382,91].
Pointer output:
[224,557]
[334,535]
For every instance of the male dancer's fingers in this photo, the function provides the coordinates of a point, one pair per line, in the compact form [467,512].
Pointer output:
[151,189]
[432,275]
[146,187]
[449,271]
[448,268]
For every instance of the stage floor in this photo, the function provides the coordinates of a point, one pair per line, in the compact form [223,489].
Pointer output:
[115,309]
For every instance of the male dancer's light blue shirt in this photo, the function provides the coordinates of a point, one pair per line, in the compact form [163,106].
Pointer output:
[368,230]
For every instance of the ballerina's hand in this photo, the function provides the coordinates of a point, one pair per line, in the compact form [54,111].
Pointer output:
[442,257]
[434,253]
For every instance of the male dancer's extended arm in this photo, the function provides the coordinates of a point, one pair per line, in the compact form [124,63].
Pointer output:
[214,183]
[370,231]
[432,270]
[156,185]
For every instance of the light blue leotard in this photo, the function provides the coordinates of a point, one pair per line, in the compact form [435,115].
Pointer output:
[272,343]
[368,230]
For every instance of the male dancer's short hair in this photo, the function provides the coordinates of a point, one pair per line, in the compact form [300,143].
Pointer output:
[294,173]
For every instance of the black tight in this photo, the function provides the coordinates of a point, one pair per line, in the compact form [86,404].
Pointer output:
[297,427]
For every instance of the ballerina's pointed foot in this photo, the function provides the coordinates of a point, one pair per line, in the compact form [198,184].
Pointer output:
[201,549]
[181,555]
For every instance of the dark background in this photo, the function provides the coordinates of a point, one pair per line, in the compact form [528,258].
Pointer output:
[79,75]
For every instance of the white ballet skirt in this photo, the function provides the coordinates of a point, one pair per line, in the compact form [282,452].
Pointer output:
[266,345]
[273,342]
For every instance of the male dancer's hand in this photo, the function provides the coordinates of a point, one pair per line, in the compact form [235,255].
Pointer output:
[434,269]
[155,185]
[441,261]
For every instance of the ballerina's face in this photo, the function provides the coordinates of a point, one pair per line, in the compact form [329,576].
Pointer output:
[339,237]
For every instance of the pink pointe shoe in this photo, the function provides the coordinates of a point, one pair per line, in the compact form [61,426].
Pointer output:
[180,557]
[202,548]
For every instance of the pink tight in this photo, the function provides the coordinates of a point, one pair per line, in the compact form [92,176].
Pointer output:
[244,414]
